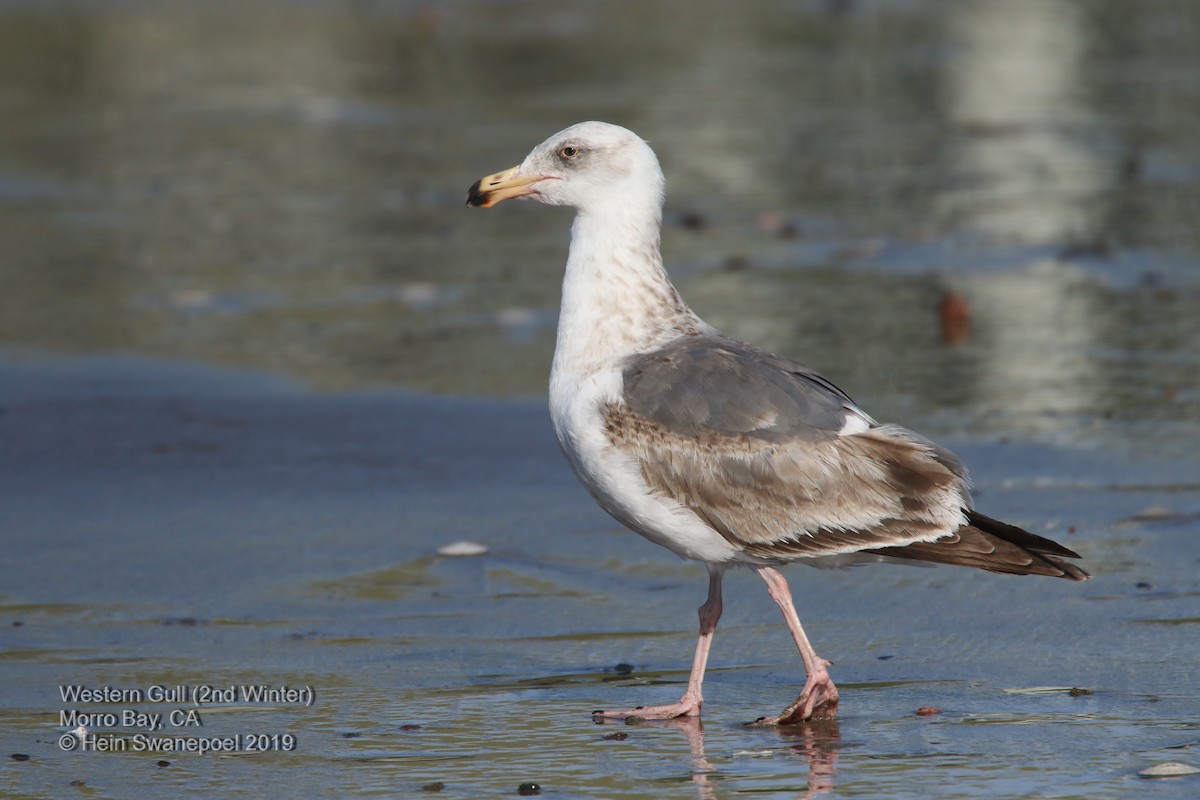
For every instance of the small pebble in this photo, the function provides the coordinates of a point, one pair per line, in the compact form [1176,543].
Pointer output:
[623,668]
[463,548]
[529,789]
[928,711]
[954,311]
[1169,769]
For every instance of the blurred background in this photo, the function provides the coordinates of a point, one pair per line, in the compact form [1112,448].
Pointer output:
[259,364]
[979,215]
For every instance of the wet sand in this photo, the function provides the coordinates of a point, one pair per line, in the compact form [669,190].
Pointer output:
[258,363]
[173,524]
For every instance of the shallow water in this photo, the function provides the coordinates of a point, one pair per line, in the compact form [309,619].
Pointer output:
[171,525]
[257,364]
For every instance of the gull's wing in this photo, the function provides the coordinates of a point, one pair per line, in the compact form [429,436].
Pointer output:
[783,465]
[701,384]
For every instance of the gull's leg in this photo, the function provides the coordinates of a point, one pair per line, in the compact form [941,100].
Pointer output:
[688,705]
[820,696]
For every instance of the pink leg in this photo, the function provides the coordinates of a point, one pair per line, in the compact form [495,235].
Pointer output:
[688,705]
[820,696]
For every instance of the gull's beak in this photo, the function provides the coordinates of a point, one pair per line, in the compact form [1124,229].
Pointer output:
[503,185]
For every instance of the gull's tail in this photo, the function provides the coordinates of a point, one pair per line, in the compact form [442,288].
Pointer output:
[996,546]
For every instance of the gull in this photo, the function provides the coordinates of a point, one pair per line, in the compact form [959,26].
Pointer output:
[714,448]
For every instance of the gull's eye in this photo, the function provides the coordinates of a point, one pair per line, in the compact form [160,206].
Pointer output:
[568,151]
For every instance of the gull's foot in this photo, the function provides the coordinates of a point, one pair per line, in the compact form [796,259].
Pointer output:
[686,707]
[819,700]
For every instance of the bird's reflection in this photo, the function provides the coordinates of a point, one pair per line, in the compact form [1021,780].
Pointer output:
[815,741]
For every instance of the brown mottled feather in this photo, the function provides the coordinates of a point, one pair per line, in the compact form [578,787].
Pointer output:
[750,443]
[994,546]
[779,501]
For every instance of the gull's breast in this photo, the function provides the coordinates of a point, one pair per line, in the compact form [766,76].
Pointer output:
[614,479]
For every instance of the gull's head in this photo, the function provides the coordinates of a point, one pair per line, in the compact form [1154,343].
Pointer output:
[588,166]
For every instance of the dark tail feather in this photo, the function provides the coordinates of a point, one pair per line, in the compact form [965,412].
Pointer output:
[996,546]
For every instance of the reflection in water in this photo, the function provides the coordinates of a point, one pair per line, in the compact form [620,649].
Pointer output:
[1017,92]
[693,730]
[279,186]
[816,742]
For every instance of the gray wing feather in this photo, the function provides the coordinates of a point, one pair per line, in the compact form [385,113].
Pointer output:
[719,384]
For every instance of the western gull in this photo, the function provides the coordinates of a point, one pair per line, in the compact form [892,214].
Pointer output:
[719,450]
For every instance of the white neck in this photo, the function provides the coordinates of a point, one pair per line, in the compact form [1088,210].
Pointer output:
[616,296]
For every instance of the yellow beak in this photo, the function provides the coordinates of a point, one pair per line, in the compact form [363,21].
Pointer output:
[503,185]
